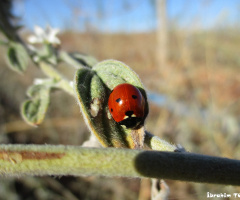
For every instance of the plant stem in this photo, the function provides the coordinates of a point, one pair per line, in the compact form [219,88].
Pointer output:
[19,160]
[63,83]
[68,59]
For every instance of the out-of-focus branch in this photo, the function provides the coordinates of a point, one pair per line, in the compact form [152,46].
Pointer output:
[161,34]
[6,22]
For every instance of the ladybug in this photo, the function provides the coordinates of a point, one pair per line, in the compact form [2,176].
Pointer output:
[127,105]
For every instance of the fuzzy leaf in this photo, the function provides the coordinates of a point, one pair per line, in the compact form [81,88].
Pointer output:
[93,88]
[85,60]
[113,72]
[17,57]
[34,109]
[77,60]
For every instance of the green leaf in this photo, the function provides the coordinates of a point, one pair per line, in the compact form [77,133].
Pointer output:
[85,60]
[34,109]
[17,57]
[78,60]
[93,87]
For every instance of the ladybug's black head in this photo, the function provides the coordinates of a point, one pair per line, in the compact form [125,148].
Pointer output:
[131,122]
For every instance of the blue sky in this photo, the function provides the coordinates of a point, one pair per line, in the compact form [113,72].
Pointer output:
[124,15]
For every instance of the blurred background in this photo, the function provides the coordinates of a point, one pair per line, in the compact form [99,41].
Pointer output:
[187,56]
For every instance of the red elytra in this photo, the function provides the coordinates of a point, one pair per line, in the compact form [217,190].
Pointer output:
[126,105]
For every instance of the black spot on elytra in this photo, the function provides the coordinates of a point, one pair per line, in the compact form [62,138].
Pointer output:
[118,100]
[134,96]
[111,110]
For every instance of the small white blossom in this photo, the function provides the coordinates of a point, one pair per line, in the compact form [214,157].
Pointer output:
[71,84]
[49,35]
[38,81]
[42,81]
[36,58]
